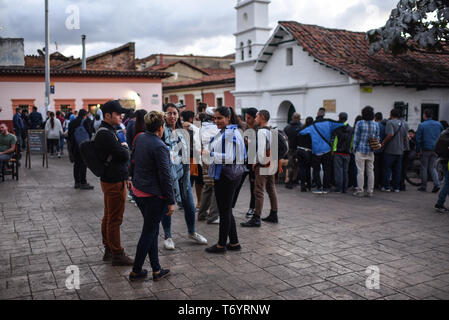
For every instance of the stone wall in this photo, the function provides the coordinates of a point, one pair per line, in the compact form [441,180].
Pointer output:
[122,60]
[12,52]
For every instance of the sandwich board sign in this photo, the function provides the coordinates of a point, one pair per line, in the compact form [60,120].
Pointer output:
[36,144]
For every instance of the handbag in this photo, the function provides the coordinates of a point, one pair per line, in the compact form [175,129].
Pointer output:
[374,142]
[233,171]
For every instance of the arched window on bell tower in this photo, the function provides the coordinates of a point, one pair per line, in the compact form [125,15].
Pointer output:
[242,51]
[250,51]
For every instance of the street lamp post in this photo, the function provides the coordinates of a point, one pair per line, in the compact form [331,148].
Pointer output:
[47,59]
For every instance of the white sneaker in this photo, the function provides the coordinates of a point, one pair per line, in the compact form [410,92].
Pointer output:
[198,238]
[169,244]
[216,221]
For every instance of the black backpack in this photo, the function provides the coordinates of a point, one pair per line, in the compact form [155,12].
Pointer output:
[442,145]
[282,142]
[90,156]
[283,146]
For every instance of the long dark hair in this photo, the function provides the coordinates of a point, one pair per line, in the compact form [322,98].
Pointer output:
[52,120]
[228,112]
[139,126]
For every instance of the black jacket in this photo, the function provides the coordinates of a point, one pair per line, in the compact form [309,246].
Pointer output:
[107,144]
[344,139]
[71,133]
[292,132]
[150,167]
[35,120]
[304,141]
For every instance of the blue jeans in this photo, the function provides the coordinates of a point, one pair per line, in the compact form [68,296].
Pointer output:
[61,144]
[152,209]
[392,169]
[352,171]
[341,169]
[428,162]
[4,158]
[187,203]
[444,191]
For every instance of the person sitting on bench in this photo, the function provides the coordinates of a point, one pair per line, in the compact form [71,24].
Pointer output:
[7,145]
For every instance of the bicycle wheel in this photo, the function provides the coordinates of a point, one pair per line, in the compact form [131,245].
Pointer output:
[413,175]
[441,165]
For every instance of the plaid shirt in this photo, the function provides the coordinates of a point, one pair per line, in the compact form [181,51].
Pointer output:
[361,136]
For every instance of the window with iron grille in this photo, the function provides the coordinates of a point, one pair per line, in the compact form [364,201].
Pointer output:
[403,107]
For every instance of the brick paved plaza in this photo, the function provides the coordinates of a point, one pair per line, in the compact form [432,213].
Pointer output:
[320,250]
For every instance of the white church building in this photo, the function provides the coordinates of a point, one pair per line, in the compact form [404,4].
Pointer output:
[300,68]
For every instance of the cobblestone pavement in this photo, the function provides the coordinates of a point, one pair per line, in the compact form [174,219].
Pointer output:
[320,250]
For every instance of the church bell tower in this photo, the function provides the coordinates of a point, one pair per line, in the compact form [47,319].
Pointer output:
[252,29]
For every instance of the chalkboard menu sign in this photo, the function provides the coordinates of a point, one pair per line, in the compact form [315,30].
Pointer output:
[36,144]
[37,141]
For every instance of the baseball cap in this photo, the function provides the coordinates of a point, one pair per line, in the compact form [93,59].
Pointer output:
[210,111]
[113,106]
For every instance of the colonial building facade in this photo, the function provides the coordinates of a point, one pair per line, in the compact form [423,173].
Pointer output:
[194,79]
[302,67]
[109,75]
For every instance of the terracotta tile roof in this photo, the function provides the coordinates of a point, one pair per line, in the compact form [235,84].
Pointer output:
[21,71]
[130,46]
[167,65]
[218,71]
[56,59]
[348,52]
[227,57]
[226,78]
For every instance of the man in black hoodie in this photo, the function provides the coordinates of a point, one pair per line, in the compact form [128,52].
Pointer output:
[79,167]
[342,153]
[304,156]
[113,182]
[292,132]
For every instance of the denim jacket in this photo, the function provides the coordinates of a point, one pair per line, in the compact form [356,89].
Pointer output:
[427,135]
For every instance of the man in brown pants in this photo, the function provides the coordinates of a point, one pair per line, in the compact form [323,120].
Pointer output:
[263,182]
[113,182]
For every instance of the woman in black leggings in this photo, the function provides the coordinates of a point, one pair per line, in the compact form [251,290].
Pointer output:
[227,154]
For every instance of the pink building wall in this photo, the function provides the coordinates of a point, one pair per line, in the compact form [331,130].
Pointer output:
[148,95]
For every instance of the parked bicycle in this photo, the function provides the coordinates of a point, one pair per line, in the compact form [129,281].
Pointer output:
[413,175]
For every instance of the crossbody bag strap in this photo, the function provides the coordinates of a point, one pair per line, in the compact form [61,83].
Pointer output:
[395,133]
[321,135]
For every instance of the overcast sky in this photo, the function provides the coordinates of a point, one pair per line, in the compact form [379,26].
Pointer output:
[202,27]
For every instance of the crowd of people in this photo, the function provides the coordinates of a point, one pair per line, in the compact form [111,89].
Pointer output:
[56,126]
[159,160]
[373,154]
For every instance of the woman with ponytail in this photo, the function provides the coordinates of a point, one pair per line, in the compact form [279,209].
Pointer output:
[53,128]
[226,155]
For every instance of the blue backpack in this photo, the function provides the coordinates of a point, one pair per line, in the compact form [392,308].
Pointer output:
[81,134]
